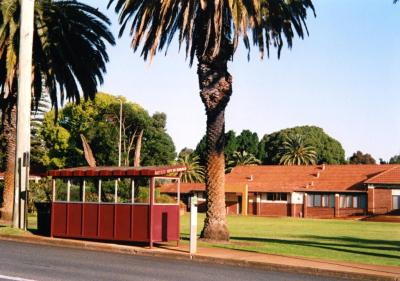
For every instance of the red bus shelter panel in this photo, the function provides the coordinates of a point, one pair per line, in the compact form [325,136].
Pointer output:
[90,220]
[123,221]
[59,224]
[140,223]
[165,222]
[106,224]
[74,218]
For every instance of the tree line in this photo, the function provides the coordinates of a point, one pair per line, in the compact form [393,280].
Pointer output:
[57,141]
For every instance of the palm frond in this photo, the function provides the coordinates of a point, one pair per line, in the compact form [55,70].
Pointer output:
[204,26]
[69,52]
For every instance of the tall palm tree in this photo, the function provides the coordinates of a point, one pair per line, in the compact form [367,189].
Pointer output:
[242,159]
[210,29]
[194,171]
[296,152]
[69,57]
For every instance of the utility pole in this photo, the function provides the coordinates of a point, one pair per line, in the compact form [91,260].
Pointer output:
[119,150]
[120,133]
[23,113]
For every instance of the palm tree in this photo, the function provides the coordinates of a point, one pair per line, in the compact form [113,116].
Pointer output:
[242,159]
[69,57]
[296,152]
[211,30]
[194,171]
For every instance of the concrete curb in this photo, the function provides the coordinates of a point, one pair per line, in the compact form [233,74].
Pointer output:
[163,253]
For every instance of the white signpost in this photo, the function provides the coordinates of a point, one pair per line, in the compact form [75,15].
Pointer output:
[193,225]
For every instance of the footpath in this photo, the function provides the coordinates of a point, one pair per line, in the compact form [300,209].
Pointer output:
[351,271]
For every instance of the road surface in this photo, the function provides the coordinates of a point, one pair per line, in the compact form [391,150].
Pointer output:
[26,262]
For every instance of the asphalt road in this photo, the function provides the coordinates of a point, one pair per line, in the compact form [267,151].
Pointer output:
[23,262]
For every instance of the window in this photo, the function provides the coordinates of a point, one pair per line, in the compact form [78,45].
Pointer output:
[353,201]
[321,200]
[276,196]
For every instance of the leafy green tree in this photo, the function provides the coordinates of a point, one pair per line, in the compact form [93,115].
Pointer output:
[69,58]
[185,151]
[328,150]
[98,121]
[38,147]
[57,142]
[231,145]
[248,141]
[242,158]
[395,159]
[158,147]
[296,152]
[361,158]
[211,31]
[194,171]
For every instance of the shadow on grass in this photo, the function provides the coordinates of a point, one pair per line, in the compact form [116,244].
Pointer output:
[383,244]
[353,246]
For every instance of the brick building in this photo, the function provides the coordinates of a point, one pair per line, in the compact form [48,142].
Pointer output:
[324,191]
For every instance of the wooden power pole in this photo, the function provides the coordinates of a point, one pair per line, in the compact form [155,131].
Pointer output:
[23,113]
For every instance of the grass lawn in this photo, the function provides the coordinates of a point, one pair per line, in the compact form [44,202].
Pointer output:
[32,227]
[342,240]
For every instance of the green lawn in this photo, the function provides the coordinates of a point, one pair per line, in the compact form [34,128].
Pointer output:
[32,227]
[343,240]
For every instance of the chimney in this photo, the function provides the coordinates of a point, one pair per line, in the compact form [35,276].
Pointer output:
[312,183]
[323,167]
[250,178]
[317,175]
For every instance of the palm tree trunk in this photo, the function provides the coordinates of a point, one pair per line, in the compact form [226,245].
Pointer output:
[10,132]
[215,91]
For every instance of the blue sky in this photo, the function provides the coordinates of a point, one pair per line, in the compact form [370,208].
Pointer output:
[341,78]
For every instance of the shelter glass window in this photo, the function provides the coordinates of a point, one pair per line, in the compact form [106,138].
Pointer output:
[61,189]
[107,194]
[166,191]
[92,190]
[141,192]
[124,190]
[76,190]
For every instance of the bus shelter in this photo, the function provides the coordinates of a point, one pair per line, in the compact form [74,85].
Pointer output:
[116,203]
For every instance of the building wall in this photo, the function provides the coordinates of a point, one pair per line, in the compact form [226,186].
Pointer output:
[231,207]
[274,209]
[346,212]
[382,200]
[297,210]
[252,207]
[320,212]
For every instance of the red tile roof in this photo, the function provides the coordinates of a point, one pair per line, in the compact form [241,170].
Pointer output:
[333,178]
[391,176]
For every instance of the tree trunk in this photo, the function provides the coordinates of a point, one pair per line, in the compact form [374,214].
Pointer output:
[215,91]
[136,162]
[10,132]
